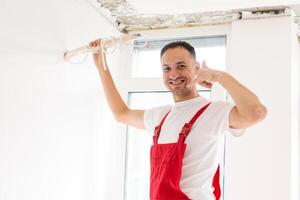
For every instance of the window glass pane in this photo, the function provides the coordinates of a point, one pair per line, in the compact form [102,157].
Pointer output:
[214,56]
[139,143]
[146,64]
[146,60]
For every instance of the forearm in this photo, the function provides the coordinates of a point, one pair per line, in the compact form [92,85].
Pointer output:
[115,101]
[247,103]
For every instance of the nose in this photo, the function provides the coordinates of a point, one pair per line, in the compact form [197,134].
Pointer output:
[173,74]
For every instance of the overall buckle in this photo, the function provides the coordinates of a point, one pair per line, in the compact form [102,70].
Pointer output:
[157,130]
[185,129]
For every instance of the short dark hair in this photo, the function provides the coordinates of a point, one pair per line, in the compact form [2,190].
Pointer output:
[181,44]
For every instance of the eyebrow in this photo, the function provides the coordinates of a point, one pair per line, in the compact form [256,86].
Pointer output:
[178,63]
[181,62]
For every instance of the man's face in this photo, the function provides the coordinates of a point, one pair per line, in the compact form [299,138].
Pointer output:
[179,69]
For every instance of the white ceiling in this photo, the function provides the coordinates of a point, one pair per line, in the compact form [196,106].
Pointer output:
[136,15]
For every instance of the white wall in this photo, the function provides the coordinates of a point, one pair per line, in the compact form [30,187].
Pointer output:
[53,113]
[57,137]
[295,118]
[259,163]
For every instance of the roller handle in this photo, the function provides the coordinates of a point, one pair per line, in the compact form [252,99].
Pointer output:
[106,43]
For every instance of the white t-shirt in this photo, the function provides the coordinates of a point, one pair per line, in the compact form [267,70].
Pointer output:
[204,142]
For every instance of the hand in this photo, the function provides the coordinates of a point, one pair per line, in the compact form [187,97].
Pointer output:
[98,56]
[205,76]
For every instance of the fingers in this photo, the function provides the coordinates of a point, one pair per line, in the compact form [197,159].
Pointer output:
[98,54]
[200,77]
[192,83]
[95,43]
[193,78]
[96,46]
[206,84]
[202,83]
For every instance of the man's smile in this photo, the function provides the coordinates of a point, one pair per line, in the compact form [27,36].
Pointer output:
[177,82]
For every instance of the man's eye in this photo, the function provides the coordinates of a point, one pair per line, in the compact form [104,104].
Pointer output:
[166,69]
[181,66]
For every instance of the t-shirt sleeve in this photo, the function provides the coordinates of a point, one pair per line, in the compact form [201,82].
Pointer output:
[233,131]
[153,116]
[224,109]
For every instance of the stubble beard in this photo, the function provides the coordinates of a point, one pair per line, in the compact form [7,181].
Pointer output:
[181,92]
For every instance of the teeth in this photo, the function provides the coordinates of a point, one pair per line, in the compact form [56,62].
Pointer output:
[177,82]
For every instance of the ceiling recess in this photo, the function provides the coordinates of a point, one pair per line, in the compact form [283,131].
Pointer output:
[126,18]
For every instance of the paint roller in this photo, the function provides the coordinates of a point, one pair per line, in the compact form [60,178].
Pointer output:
[106,43]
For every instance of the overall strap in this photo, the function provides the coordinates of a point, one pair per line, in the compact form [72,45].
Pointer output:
[158,128]
[187,126]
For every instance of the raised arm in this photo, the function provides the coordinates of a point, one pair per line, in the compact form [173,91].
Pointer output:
[120,110]
[248,110]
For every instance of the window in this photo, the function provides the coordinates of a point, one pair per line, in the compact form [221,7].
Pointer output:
[146,60]
[146,64]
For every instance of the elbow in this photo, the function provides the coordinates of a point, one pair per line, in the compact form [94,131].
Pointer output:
[259,113]
[120,116]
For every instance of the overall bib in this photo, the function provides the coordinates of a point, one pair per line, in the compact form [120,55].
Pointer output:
[166,164]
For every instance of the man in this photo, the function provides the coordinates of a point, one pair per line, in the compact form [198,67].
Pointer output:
[185,154]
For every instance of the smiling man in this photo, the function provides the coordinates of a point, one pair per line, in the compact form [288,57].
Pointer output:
[187,135]
[178,66]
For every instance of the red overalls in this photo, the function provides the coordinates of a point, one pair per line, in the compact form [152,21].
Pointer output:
[166,164]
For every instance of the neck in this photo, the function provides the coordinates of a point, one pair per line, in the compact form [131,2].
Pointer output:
[178,98]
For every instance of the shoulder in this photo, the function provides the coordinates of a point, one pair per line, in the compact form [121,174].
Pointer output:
[220,107]
[157,112]
[222,113]
[154,115]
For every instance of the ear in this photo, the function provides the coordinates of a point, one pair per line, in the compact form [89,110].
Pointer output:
[197,67]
